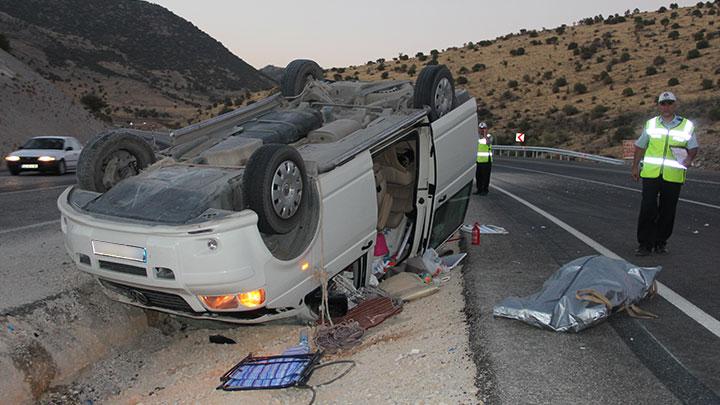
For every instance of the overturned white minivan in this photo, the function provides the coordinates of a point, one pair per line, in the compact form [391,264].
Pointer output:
[236,219]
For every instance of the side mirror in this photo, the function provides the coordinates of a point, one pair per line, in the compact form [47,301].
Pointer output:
[69,148]
[20,147]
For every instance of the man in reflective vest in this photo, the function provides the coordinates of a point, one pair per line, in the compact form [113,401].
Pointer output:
[483,166]
[667,147]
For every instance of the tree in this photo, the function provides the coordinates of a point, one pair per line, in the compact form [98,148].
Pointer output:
[674,35]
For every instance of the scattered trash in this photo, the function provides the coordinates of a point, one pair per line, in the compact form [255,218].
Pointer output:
[412,352]
[452,261]
[371,312]
[582,293]
[381,248]
[493,229]
[269,372]
[407,286]
[542,227]
[10,327]
[221,340]
[344,335]
[696,232]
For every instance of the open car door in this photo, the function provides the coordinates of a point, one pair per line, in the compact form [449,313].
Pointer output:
[455,150]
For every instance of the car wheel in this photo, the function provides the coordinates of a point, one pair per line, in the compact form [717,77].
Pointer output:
[14,172]
[111,157]
[435,89]
[297,74]
[62,168]
[274,187]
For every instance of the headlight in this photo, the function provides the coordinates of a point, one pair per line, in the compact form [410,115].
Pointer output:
[46,158]
[12,158]
[252,299]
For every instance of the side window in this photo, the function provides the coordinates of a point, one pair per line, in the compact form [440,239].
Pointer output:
[450,216]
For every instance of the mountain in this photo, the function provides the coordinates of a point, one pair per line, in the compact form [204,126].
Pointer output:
[586,86]
[32,106]
[143,61]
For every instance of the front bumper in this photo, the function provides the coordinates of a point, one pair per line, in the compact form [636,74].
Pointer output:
[240,262]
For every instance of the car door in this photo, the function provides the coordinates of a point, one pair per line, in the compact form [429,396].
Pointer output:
[72,156]
[454,153]
[349,213]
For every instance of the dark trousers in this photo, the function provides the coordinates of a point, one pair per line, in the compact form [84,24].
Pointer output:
[482,176]
[657,211]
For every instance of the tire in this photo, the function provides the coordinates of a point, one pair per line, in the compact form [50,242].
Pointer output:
[14,172]
[435,89]
[274,186]
[62,168]
[297,74]
[111,157]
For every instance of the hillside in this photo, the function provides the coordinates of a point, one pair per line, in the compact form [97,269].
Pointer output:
[587,86]
[143,61]
[32,106]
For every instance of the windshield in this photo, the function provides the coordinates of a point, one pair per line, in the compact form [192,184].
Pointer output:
[44,143]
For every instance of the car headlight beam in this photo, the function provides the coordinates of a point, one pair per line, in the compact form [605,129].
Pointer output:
[12,158]
[46,158]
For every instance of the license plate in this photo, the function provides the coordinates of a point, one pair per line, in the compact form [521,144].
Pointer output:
[118,251]
[29,166]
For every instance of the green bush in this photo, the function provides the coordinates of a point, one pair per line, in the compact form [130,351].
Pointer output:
[693,54]
[421,56]
[547,75]
[702,44]
[4,43]
[512,84]
[478,67]
[463,71]
[650,70]
[674,35]
[598,111]
[673,81]
[659,60]
[580,88]
[560,82]
[714,113]
[572,45]
[412,70]
[628,92]
[385,75]
[699,36]
[517,52]
[706,84]
[93,102]
[570,109]
[461,80]
[624,57]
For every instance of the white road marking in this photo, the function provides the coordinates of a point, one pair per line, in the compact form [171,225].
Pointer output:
[687,307]
[4,193]
[602,169]
[26,227]
[717,207]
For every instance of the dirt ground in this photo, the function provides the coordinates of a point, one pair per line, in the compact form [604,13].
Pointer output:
[419,356]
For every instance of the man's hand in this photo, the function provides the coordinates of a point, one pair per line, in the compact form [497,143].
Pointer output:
[635,172]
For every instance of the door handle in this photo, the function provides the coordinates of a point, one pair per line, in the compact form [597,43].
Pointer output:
[443,198]
[367,246]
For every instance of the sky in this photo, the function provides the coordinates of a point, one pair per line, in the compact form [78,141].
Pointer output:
[344,33]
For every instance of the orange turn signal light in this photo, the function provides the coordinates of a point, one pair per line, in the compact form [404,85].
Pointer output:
[253,298]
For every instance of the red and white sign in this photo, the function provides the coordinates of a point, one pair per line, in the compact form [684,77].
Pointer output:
[628,148]
[519,137]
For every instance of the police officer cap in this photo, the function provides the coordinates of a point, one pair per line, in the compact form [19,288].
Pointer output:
[666,96]
[482,125]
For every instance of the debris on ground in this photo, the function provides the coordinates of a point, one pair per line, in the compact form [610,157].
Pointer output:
[221,340]
[582,293]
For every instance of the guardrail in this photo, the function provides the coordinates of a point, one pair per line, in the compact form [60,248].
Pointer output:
[562,154]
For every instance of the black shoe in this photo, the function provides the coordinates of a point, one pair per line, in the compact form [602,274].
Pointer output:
[643,250]
[661,248]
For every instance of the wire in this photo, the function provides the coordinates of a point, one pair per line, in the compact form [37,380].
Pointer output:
[341,336]
[332,380]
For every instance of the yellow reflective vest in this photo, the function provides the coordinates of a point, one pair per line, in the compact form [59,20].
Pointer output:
[659,159]
[484,151]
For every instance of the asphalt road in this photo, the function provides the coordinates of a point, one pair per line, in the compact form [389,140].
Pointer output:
[673,359]
[34,263]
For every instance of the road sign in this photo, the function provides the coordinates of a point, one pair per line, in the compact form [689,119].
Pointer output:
[519,137]
[628,148]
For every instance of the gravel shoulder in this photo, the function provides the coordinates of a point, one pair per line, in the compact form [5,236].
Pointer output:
[418,356]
